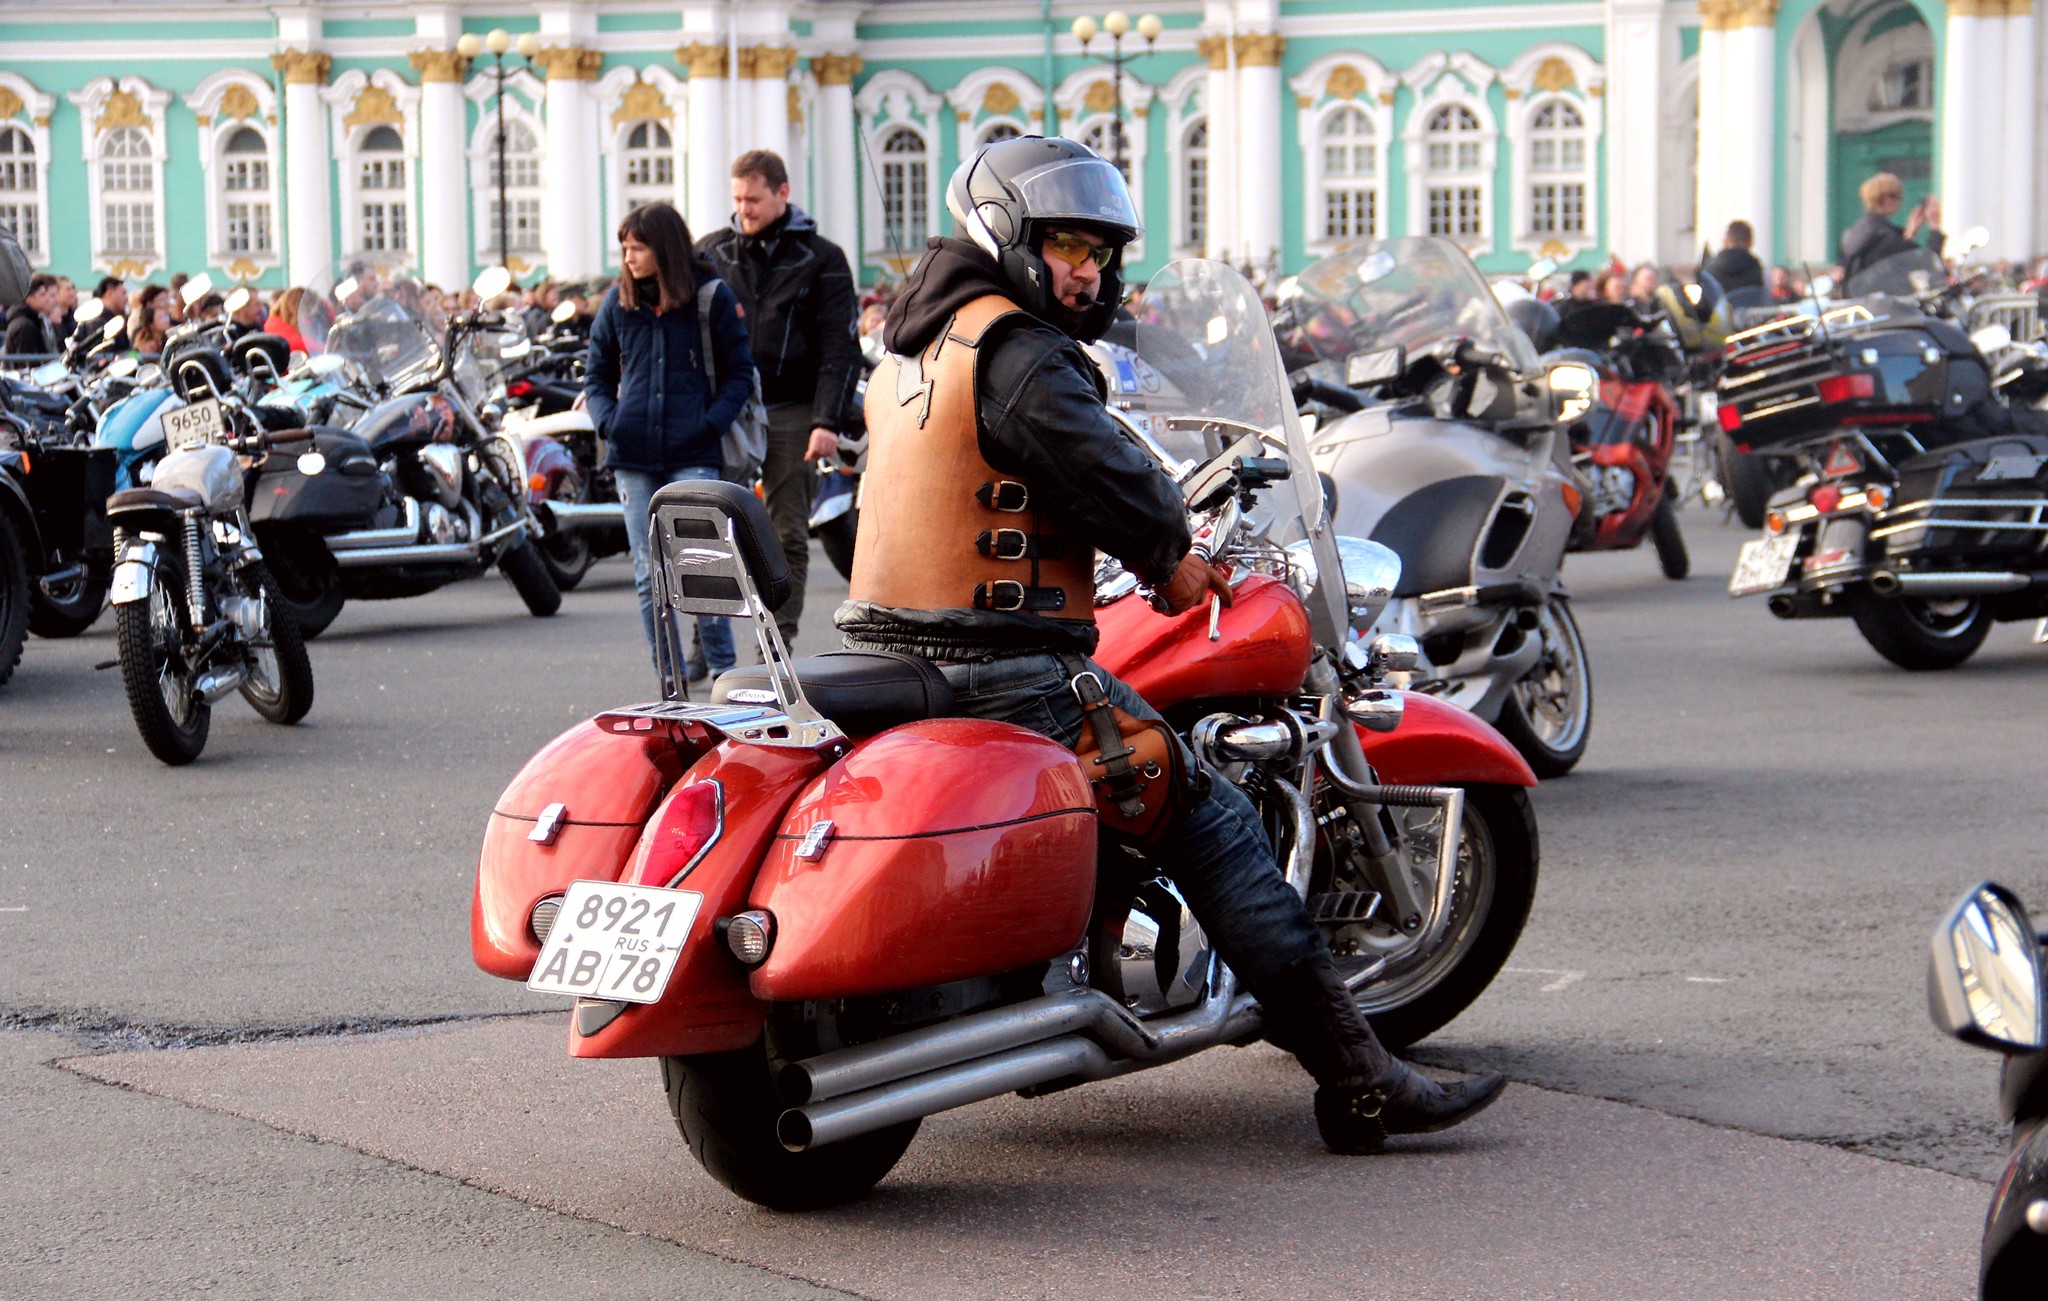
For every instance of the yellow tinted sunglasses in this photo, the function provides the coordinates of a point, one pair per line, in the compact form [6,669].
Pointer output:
[1073,250]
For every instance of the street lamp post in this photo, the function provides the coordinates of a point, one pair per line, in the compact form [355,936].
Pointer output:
[528,45]
[1117,24]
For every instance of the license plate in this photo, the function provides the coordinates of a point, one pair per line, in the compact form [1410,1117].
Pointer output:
[1763,564]
[192,425]
[617,942]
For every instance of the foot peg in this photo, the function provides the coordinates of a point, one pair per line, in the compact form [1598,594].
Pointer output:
[1342,909]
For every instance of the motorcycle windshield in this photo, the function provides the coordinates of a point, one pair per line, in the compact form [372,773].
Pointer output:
[1211,375]
[1416,293]
[378,316]
[1902,275]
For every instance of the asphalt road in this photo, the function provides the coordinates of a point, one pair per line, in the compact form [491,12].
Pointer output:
[1738,885]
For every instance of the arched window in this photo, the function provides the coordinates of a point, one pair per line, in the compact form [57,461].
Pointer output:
[650,158]
[1558,178]
[1194,180]
[1350,175]
[1112,138]
[1454,193]
[906,167]
[995,131]
[21,211]
[1906,84]
[128,193]
[522,191]
[245,193]
[383,208]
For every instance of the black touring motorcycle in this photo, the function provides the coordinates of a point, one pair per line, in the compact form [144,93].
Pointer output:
[1920,507]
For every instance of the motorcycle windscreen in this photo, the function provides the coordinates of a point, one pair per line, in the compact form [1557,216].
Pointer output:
[1205,330]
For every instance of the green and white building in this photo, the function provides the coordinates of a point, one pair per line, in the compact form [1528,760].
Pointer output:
[265,141]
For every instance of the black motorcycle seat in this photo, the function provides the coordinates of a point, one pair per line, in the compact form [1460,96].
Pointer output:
[862,691]
[154,498]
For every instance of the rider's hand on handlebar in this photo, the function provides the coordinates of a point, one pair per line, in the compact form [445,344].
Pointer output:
[1193,582]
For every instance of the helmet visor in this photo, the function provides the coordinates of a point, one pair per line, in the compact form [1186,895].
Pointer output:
[1084,191]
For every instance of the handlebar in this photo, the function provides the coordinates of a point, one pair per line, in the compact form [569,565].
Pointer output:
[1307,388]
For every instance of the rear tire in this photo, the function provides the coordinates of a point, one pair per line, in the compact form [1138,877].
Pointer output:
[1548,714]
[1490,903]
[837,539]
[1748,481]
[1669,541]
[14,598]
[567,553]
[289,697]
[173,722]
[530,578]
[76,608]
[726,1107]
[1921,635]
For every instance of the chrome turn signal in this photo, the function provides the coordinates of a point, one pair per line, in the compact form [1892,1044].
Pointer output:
[750,935]
[1376,710]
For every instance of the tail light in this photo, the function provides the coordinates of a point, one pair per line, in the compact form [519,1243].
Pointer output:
[518,388]
[538,483]
[1775,523]
[1878,496]
[685,829]
[1848,388]
[1730,418]
[1826,497]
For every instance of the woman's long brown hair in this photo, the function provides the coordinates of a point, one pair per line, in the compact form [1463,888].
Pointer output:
[662,229]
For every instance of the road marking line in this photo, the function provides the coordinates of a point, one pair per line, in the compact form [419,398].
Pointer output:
[1706,980]
[14,910]
[1565,979]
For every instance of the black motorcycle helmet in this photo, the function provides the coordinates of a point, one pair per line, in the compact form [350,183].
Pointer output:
[1007,195]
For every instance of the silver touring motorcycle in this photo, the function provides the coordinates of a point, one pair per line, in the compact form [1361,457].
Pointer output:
[1442,436]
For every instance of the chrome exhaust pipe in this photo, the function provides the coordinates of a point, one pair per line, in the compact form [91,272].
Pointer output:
[803,1128]
[419,553]
[397,535]
[568,516]
[1968,583]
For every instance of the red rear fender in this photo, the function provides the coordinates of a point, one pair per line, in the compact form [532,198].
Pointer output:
[1438,743]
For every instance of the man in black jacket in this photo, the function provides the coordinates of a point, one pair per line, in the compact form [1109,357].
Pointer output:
[796,294]
[1011,402]
[1735,268]
[1875,236]
[29,329]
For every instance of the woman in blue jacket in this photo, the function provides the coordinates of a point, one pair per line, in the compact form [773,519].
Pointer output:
[648,391]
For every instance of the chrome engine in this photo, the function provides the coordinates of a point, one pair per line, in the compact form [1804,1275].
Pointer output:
[1162,956]
[444,525]
[444,470]
[1614,487]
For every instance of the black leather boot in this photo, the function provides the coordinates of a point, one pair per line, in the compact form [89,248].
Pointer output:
[1365,1095]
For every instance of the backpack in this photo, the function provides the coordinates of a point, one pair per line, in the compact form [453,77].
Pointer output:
[743,446]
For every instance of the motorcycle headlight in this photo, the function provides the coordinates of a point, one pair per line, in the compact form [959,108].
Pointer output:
[1371,573]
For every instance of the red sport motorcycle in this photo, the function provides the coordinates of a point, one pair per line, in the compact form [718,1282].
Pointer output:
[830,910]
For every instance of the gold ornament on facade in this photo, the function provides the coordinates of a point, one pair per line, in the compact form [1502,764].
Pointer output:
[238,103]
[1304,101]
[128,269]
[122,109]
[794,102]
[836,69]
[643,103]
[1552,249]
[701,59]
[1990,8]
[1260,49]
[999,99]
[1387,98]
[303,68]
[10,104]
[1101,98]
[1216,49]
[439,65]
[373,105]
[767,62]
[244,270]
[1554,74]
[1345,82]
[568,63]
[1727,15]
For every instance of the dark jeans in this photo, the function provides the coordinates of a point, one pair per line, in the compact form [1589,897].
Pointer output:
[1216,851]
[790,482]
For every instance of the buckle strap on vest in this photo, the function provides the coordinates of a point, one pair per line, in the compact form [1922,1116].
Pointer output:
[1016,544]
[1006,495]
[1007,595]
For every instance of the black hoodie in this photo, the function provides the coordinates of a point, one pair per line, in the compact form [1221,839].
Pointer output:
[1039,399]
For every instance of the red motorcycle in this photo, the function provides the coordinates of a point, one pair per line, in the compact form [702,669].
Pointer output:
[831,910]
[1623,442]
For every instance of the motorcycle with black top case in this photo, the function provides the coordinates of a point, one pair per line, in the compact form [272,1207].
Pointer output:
[420,491]
[830,908]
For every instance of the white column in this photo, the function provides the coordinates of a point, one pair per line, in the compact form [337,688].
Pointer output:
[1634,118]
[1972,69]
[309,207]
[444,196]
[710,197]
[766,91]
[568,206]
[2020,149]
[1258,146]
[1749,105]
[1219,101]
[834,144]
[1710,188]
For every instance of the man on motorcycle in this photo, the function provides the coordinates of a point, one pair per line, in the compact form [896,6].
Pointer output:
[996,432]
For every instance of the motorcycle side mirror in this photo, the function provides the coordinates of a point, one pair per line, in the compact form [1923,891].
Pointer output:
[1984,983]
[491,282]
[1822,285]
[123,367]
[1541,269]
[92,309]
[326,364]
[516,349]
[196,288]
[236,300]
[111,330]
[1375,367]
[565,311]
[1974,238]
[1214,482]
[1571,386]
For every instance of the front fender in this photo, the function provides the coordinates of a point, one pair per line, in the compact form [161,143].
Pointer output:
[1438,743]
[135,576]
